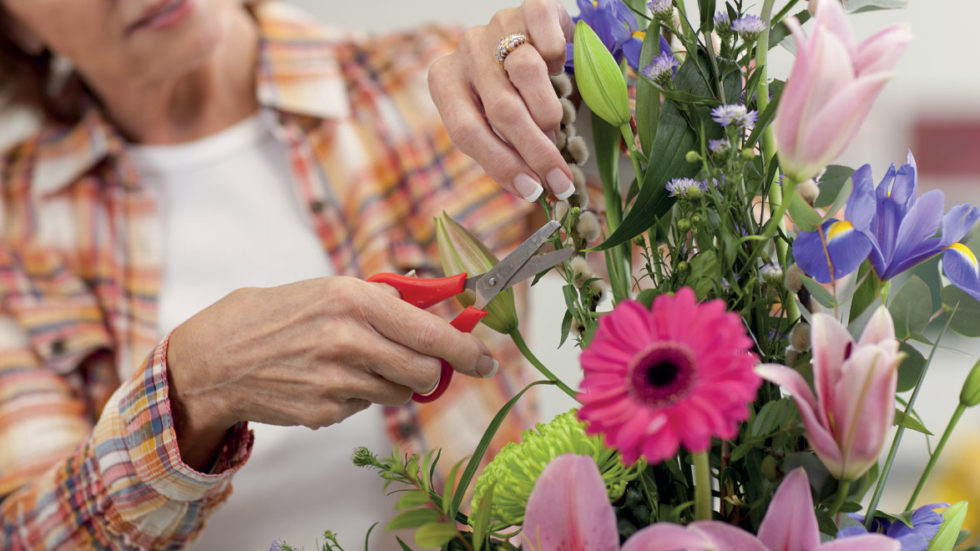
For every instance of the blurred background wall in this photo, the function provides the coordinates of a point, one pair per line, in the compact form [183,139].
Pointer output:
[932,106]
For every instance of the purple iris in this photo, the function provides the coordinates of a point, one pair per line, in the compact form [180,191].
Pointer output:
[925,523]
[895,229]
[616,26]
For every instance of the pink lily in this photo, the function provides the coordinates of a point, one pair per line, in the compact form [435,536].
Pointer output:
[569,511]
[848,419]
[831,88]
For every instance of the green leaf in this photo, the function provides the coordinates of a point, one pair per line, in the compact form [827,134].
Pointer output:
[911,308]
[781,31]
[481,448]
[911,368]
[766,116]
[598,76]
[833,185]
[822,295]
[412,499]
[909,422]
[450,479]
[772,416]
[966,318]
[403,545]
[804,217]
[566,327]
[707,10]
[435,534]
[953,518]
[866,293]
[413,518]
[647,96]
[481,522]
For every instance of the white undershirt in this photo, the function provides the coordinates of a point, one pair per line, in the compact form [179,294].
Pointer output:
[231,218]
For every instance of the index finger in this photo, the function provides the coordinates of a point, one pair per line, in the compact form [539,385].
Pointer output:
[428,334]
[550,28]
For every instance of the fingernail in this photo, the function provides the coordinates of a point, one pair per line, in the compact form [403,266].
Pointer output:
[487,367]
[552,135]
[528,188]
[560,184]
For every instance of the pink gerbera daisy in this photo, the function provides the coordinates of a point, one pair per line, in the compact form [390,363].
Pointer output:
[679,373]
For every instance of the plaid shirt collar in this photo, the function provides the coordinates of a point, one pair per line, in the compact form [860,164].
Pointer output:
[298,72]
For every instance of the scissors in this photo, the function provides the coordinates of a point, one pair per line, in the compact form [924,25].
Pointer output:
[514,268]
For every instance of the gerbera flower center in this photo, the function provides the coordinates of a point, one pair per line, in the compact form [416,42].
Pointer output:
[662,373]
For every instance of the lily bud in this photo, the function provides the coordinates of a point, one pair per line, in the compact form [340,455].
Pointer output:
[599,78]
[970,395]
[460,251]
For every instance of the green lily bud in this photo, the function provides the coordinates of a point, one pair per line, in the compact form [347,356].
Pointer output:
[460,251]
[599,78]
[970,395]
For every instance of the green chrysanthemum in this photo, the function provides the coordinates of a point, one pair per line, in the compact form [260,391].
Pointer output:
[519,464]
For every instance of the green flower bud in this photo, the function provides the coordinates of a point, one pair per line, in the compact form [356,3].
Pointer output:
[970,395]
[684,224]
[692,156]
[460,251]
[599,78]
[748,154]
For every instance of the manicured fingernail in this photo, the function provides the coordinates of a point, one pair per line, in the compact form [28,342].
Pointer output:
[487,367]
[528,188]
[560,184]
[552,135]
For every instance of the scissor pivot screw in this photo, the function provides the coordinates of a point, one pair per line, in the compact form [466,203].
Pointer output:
[492,281]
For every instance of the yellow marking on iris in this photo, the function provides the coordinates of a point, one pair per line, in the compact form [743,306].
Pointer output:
[640,34]
[963,250]
[838,229]
[595,3]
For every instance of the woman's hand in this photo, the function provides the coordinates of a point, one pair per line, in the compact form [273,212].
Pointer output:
[506,117]
[309,353]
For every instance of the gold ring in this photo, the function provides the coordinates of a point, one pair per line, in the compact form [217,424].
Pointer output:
[508,44]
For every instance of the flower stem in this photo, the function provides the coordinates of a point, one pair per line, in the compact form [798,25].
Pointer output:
[518,339]
[843,487]
[935,455]
[702,486]
[899,431]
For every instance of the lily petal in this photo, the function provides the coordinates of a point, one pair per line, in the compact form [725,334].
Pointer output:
[568,509]
[864,406]
[665,536]
[871,542]
[789,524]
[727,537]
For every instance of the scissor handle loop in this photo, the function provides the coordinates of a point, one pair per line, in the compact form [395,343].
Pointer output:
[423,292]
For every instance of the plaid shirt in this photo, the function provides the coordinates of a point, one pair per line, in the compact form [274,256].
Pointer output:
[88,454]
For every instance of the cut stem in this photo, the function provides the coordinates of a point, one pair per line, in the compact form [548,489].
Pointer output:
[702,486]
[518,339]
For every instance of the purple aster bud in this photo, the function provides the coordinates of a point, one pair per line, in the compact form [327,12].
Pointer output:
[661,9]
[749,27]
[719,148]
[687,188]
[734,114]
[661,69]
[723,24]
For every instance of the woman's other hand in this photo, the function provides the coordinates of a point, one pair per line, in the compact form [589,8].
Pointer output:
[506,116]
[309,353]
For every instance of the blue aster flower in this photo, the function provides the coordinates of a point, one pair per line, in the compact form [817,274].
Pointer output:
[925,524]
[616,26]
[662,69]
[897,229]
[749,26]
[734,114]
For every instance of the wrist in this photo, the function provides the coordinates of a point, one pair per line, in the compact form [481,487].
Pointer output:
[200,419]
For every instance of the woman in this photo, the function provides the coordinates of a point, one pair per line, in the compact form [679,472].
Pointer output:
[197,147]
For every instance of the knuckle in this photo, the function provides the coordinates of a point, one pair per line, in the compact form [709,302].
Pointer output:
[465,134]
[506,111]
[472,39]
[426,336]
[551,114]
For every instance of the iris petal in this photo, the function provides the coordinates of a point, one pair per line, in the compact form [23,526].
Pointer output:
[846,246]
[958,222]
[961,267]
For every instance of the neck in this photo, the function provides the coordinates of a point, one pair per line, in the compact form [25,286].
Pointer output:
[206,100]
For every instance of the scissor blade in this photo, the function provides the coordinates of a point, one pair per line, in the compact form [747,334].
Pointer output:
[500,276]
[541,263]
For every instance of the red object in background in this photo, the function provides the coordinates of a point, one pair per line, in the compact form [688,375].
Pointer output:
[947,147]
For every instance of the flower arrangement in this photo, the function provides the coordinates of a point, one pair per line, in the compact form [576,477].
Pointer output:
[763,321]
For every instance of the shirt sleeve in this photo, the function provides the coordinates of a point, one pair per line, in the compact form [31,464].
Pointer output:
[68,481]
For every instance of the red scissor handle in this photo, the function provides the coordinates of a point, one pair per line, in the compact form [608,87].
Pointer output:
[424,293]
